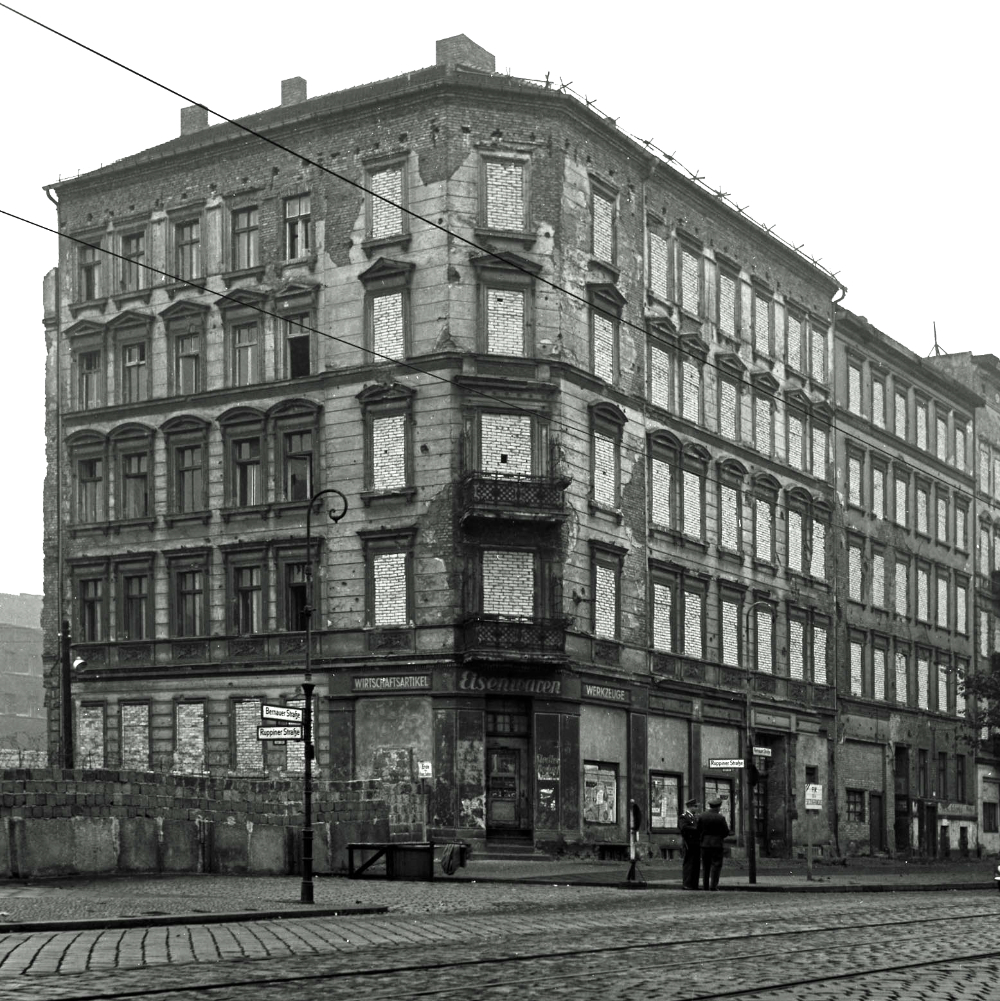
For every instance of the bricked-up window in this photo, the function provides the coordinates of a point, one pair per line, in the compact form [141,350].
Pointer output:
[248,751]
[984,467]
[90,735]
[89,271]
[902,677]
[817,567]
[606,567]
[984,633]
[796,350]
[691,388]
[659,265]
[855,805]
[604,237]
[664,454]
[961,525]
[855,580]
[943,672]
[389,583]
[503,189]
[902,588]
[899,413]
[606,304]
[508,583]
[923,681]
[729,629]
[879,508]
[689,278]
[505,322]
[857,666]
[854,387]
[245,239]
[817,353]
[762,324]
[854,466]
[298,241]
[923,594]
[796,441]
[731,507]
[189,738]
[606,431]
[764,504]
[923,424]
[984,547]
[941,437]
[796,647]
[996,476]
[187,249]
[661,370]
[131,270]
[961,607]
[820,634]
[694,471]
[663,602]
[802,554]
[902,490]
[387,412]
[729,409]
[693,639]
[796,539]
[763,424]
[189,478]
[386,202]
[942,516]
[764,640]
[89,381]
[923,522]
[878,673]
[135,746]
[134,372]
[961,437]
[878,582]
[878,401]
[728,298]
[942,599]
[820,437]
[188,571]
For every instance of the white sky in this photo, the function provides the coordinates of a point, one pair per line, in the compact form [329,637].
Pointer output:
[864,131]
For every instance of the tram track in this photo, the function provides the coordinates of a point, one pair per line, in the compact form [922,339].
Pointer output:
[594,956]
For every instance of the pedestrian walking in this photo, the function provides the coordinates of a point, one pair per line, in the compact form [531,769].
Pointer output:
[692,846]
[712,832]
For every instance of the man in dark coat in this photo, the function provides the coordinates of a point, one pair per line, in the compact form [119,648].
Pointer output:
[712,832]
[692,847]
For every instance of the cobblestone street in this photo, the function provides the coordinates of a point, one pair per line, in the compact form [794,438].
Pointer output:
[502,940]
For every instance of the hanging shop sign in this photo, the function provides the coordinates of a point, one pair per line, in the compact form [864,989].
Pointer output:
[390,682]
[287,713]
[279,733]
[606,693]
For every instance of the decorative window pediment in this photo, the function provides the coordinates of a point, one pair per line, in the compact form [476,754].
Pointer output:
[386,273]
[606,294]
[608,412]
[385,393]
[765,485]
[731,363]
[84,327]
[663,327]
[131,431]
[799,401]
[243,298]
[184,309]
[732,469]
[86,439]
[764,382]
[130,318]
[512,265]
[693,344]
[241,415]
[294,408]
[181,425]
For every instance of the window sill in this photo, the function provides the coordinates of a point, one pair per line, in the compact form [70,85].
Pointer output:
[733,556]
[662,532]
[608,512]
[149,523]
[174,288]
[76,308]
[142,295]
[91,528]
[525,238]
[285,508]
[372,244]
[308,262]
[768,565]
[396,493]
[691,542]
[258,510]
[230,278]
[187,517]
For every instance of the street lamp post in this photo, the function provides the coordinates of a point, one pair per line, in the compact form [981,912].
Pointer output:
[306,896]
[751,833]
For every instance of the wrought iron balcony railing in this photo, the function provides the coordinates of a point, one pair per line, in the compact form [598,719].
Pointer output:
[496,636]
[502,495]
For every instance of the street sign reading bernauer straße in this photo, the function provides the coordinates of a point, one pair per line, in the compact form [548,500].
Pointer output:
[279,733]
[287,713]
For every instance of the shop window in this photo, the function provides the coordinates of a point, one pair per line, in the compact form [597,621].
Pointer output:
[665,799]
[720,789]
[600,793]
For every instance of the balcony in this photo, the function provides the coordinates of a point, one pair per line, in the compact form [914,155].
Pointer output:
[513,497]
[527,641]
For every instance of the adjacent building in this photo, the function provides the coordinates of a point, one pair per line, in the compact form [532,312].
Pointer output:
[23,736]
[583,413]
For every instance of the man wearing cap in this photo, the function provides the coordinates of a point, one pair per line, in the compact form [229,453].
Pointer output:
[712,832]
[692,847]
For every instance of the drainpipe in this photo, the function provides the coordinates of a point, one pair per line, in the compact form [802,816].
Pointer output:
[65,685]
[834,797]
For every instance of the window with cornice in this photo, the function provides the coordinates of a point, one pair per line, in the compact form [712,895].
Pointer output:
[607,423]
[387,412]
[663,468]
[386,201]
[731,507]
[902,587]
[728,304]
[659,262]
[878,402]
[795,349]
[941,437]
[923,424]
[88,453]
[296,448]
[899,414]
[689,278]
[387,309]
[763,424]
[603,243]
[764,639]
[762,324]
[246,452]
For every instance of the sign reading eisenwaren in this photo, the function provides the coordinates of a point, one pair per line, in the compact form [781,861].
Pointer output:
[473,681]
[390,682]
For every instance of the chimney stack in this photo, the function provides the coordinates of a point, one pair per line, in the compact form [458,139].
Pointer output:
[293,91]
[194,118]
[460,50]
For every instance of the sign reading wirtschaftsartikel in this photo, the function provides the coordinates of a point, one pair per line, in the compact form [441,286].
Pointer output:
[287,713]
[814,797]
[722,763]
[279,733]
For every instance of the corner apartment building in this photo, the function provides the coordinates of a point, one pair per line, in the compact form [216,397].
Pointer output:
[581,410]
[982,372]
[907,590]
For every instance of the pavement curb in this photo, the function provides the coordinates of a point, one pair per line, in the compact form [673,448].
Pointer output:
[163,920]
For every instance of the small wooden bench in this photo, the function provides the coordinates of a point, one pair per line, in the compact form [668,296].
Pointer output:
[403,859]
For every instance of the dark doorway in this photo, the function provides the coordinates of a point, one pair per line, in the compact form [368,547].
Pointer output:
[901,825]
[876,822]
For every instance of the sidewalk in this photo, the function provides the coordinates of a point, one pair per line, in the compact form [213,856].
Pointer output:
[147,900]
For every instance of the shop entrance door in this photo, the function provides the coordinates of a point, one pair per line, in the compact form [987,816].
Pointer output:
[506,799]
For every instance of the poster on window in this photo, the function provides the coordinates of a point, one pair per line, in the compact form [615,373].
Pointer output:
[721,789]
[664,801]
[600,794]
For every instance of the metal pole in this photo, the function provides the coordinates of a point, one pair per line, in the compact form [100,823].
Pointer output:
[306,896]
[66,695]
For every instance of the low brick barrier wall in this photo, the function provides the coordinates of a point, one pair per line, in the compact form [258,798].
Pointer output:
[76,821]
